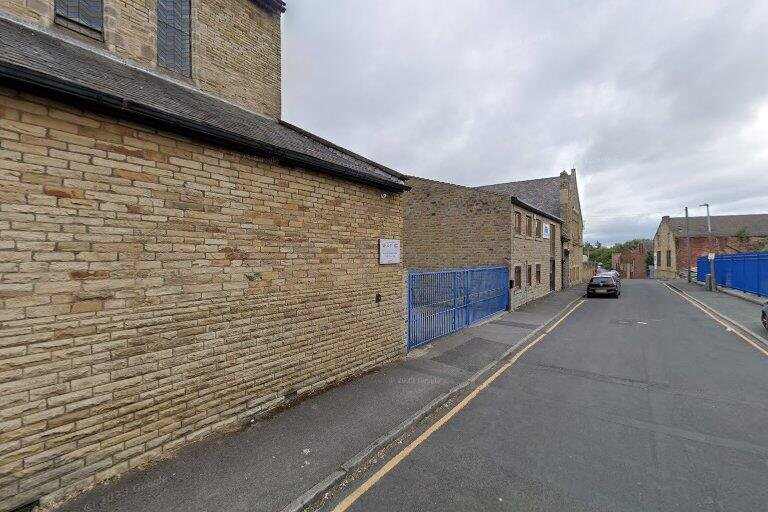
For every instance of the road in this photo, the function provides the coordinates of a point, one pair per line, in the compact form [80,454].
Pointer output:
[638,404]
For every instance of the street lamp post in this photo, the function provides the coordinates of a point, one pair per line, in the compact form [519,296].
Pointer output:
[711,286]
[688,241]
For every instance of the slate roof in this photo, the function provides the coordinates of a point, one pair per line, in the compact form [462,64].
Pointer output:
[722,225]
[40,61]
[517,201]
[541,193]
[272,5]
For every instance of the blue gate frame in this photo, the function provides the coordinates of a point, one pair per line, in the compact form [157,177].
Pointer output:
[446,301]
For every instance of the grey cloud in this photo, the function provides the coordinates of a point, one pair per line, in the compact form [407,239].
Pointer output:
[656,105]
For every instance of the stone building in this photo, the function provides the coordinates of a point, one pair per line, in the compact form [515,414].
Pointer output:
[559,197]
[730,234]
[174,258]
[451,226]
[536,261]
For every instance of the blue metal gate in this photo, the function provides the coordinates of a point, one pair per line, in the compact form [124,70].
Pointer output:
[747,272]
[446,301]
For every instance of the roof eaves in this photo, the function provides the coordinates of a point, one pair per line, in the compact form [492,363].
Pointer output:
[48,84]
[523,204]
[347,152]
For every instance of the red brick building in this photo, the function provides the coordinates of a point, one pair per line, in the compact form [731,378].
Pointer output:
[730,234]
[631,262]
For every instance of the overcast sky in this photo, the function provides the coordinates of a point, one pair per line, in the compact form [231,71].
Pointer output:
[657,104]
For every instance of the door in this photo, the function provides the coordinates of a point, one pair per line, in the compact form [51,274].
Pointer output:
[566,268]
[552,270]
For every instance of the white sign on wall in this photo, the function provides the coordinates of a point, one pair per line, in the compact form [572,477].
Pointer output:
[389,251]
[546,231]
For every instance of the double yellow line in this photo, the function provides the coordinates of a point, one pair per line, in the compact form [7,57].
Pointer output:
[402,455]
[734,329]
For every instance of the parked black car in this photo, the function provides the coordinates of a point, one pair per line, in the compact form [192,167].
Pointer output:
[604,284]
[765,317]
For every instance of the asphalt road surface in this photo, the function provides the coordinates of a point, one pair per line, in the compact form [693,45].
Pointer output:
[642,403]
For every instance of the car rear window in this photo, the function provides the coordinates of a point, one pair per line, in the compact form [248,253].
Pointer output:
[602,280]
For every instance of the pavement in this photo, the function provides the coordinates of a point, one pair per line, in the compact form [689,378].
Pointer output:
[268,465]
[639,404]
[745,312]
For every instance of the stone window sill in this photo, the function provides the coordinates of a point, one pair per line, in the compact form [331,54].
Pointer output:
[177,76]
[78,28]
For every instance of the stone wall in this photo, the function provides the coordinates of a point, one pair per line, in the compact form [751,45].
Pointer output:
[532,250]
[573,227]
[236,53]
[450,226]
[154,289]
[235,44]
[663,244]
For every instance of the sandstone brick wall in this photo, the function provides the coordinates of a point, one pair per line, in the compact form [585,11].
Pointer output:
[154,290]
[236,53]
[573,227]
[664,241]
[532,250]
[235,44]
[450,226]
[130,26]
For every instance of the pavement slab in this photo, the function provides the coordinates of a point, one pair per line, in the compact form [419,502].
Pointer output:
[266,466]
[742,311]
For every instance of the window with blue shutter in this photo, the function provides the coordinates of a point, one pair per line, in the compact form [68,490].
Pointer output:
[173,36]
[84,13]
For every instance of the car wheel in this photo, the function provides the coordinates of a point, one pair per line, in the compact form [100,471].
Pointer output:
[765,321]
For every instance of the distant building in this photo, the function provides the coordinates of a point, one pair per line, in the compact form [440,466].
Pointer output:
[630,262]
[558,196]
[450,226]
[731,234]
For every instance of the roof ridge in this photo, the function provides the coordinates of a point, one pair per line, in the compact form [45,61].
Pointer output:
[723,216]
[478,190]
[521,181]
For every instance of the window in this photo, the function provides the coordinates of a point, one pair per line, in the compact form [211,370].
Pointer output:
[518,277]
[518,223]
[538,228]
[658,258]
[552,242]
[538,274]
[529,275]
[173,36]
[84,16]
[528,225]
[669,258]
